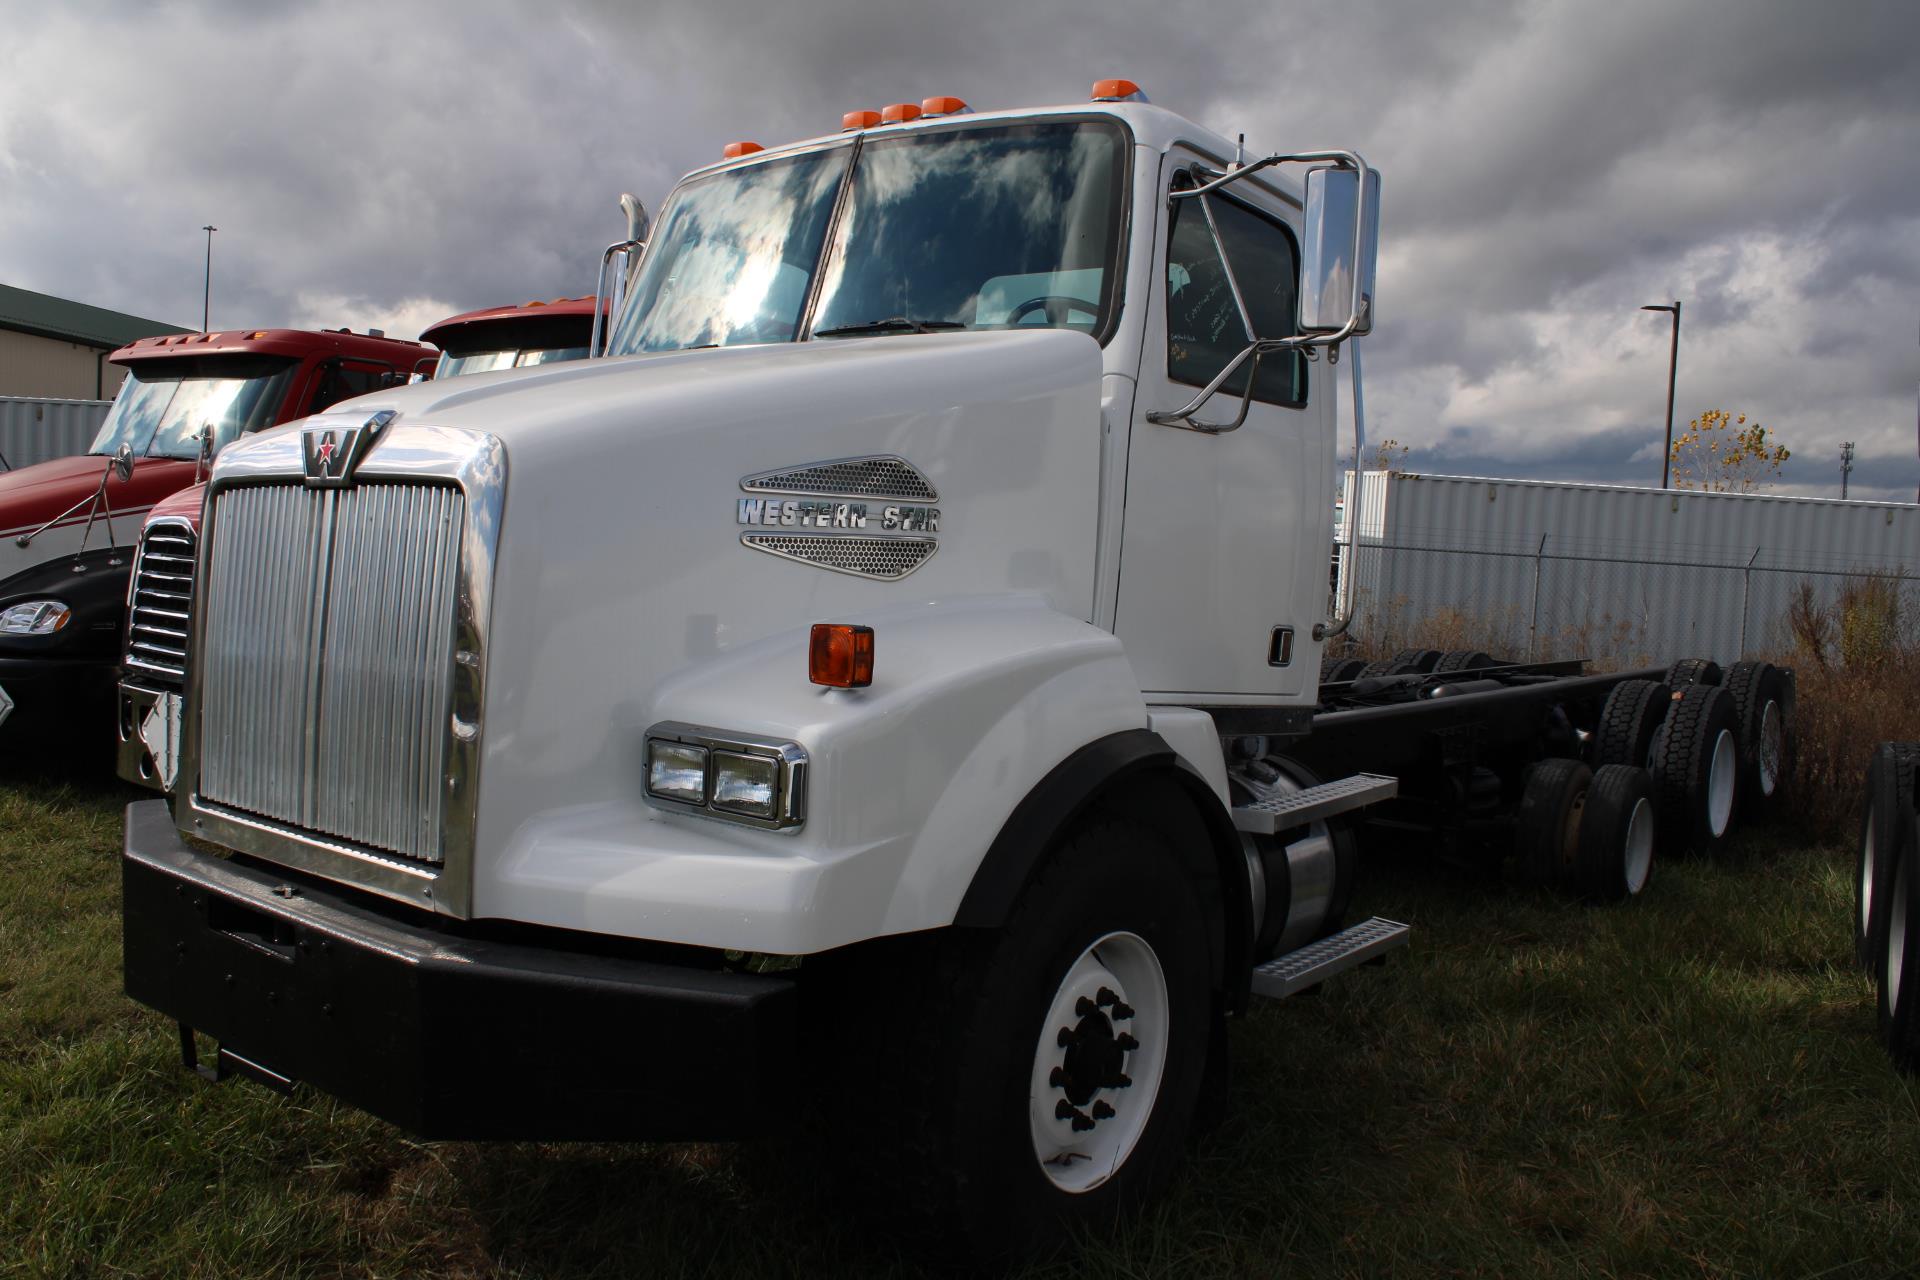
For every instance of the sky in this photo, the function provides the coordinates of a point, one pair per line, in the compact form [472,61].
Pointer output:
[1548,169]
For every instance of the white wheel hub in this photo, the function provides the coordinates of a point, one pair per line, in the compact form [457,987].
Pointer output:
[1866,876]
[1720,780]
[1897,933]
[1639,854]
[1098,1062]
[1773,741]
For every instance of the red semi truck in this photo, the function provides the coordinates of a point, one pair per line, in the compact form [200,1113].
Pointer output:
[67,525]
[154,657]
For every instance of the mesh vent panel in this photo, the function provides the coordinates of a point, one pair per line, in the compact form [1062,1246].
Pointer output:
[882,558]
[879,477]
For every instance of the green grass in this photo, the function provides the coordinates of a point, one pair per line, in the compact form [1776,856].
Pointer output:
[1688,1086]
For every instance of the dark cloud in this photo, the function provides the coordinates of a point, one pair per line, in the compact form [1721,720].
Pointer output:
[1549,168]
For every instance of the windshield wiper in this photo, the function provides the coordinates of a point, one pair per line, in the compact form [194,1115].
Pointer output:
[895,324]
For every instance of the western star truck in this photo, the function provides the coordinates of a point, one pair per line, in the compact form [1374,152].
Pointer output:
[886,684]
[70,523]
[153,661]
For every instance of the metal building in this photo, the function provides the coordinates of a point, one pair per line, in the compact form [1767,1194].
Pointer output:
[57,348]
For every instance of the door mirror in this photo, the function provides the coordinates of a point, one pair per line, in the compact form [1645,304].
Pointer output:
[122,463]
[1329,267]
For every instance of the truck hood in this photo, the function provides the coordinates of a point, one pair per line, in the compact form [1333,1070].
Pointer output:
[31,496]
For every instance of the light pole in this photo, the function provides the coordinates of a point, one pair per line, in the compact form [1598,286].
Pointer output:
[1846,465]
[206,296]
[1673,369]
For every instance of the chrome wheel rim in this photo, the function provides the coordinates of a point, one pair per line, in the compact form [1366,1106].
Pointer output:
[1720,784]
[1897,935]
[1866,876]
[1773,739]
[1098,1062]
[1639,854]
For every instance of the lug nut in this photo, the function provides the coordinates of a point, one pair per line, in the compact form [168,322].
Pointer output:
[1057,1078]
[1122,1010]
[1126,1042]
[1101,1111]
[1065,1038]
[1121,1080]
[1106,997]
[1083,1006]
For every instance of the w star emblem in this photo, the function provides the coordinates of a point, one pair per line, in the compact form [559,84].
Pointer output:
[330,454]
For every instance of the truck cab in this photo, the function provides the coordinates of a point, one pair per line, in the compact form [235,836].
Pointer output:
[70,523]
[512,337]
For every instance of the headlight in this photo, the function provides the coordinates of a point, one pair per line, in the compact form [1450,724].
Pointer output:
[736,776]
[34,618]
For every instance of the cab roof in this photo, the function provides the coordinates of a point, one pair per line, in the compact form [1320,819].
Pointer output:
[297,343]
[465,326]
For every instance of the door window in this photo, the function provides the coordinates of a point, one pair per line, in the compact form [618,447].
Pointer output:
[1204,328]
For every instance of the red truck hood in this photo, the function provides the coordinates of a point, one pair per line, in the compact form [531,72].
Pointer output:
[184,502]
[31,496]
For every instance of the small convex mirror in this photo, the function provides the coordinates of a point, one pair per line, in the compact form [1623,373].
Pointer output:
[1327,262]
[122,463]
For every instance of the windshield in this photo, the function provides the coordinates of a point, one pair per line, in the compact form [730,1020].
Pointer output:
[979,228]
[164,404]
[452,366]
[975,227]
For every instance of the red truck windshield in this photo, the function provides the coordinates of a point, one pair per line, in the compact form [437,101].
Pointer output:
[976,227]
[165,404]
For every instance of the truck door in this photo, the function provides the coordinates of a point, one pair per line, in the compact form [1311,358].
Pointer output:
[1224,540]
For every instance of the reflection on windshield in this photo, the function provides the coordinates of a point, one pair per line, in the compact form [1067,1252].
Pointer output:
[452,366]
[983,228]
[163,407]
[734,255]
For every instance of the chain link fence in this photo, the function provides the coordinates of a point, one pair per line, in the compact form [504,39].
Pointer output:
[1552,597]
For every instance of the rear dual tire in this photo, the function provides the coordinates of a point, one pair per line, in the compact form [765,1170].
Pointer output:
[1896,967]
[1696,768]
[1588,832]
[1889,798]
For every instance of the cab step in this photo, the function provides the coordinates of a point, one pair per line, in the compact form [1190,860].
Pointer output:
[1279,813]
[1314,963]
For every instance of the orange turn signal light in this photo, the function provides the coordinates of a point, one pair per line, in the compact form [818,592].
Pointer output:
[943,106]
[734,150]
[1117,91]
[899,113]
[840,655]
[859,120]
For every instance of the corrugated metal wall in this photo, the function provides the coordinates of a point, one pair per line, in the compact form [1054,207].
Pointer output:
[35,430]
[1558,569]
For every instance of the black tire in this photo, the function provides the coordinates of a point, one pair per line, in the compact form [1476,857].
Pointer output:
[1896,970]
[1384,667]
[1889,794]
[1632,715]
[1417,660]
[1693,671]
[1618,836]
[946,1050]
[1547,832]
[1345,670]
[1463,660]
[1696,769]
[1762,695]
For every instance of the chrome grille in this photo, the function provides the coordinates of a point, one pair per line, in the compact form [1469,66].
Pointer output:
[159,603]
[325,680]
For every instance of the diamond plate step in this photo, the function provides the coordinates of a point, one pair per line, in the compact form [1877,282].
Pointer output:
[1277,813]
[1294,972]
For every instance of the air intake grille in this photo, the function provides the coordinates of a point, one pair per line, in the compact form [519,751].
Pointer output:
[326,677]
[161,602]
[883,558]
[882,476]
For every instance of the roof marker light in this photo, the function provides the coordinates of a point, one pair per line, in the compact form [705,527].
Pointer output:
[1117,91]
[944,107]
[858,120]
[734,150]
[840,655]
[899,113]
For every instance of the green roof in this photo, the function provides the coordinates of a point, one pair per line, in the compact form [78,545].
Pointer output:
[51,317]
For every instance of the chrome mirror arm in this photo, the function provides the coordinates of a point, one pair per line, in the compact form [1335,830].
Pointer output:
[600,296]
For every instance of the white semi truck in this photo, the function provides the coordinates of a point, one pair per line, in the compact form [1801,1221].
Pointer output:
[888,679]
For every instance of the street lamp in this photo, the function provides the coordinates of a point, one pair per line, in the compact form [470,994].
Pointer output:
[206,296]
[1673,369]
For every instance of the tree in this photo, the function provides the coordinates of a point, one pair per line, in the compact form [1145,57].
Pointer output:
[1387,455]
[1724,453]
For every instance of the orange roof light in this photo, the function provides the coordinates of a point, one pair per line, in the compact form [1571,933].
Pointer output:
[899,113]
[1117,91]
[944,107]
[840,655]
[859,120]
[734,150]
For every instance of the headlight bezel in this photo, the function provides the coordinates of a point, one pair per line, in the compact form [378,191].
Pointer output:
[785,759]
[50,617]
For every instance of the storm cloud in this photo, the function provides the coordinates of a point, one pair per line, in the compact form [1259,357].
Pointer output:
[1548,167]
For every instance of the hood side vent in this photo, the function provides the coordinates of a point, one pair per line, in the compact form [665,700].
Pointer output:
[884,559]
[879,476]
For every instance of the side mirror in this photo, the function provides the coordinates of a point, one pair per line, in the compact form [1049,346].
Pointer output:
[1336,274]
[122,463]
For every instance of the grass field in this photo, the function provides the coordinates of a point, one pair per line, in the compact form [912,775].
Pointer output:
[1687,1086]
